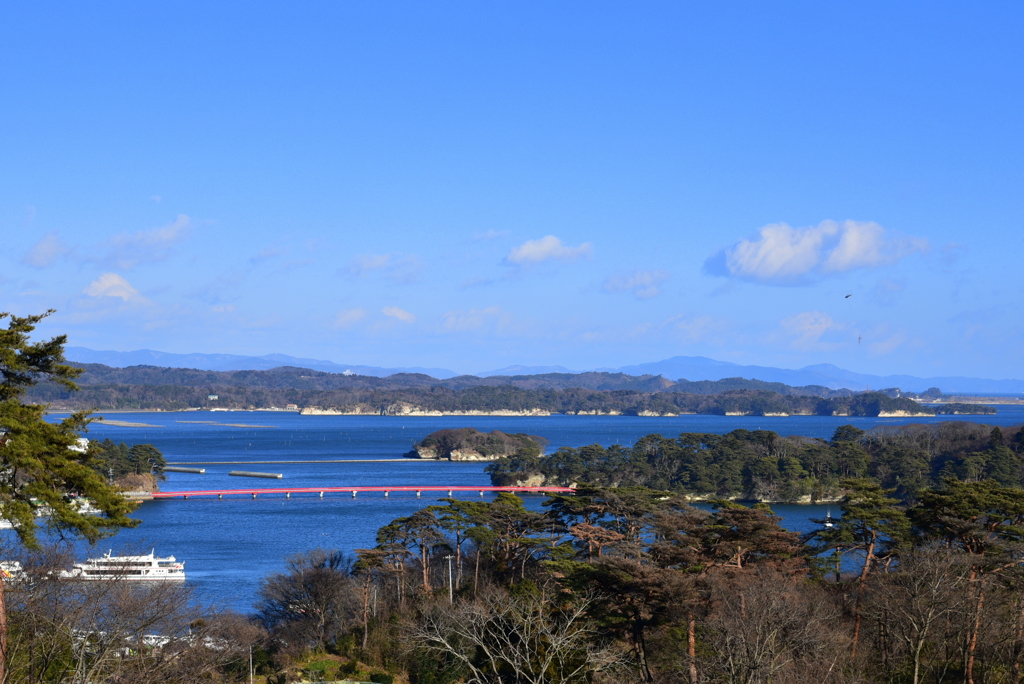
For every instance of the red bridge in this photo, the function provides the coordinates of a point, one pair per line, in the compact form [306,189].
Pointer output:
[288,491]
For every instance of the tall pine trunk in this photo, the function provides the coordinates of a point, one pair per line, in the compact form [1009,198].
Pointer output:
[458,557]
[476,573]
[1018,642]
[366,611]
[691,647]
[424,558]
[972,640]
[861,581]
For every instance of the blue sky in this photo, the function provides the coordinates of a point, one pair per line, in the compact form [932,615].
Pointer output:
[473,185]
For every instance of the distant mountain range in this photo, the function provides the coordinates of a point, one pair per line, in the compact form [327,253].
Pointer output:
[702,368]
[526,370]
[229,362]
[693,368]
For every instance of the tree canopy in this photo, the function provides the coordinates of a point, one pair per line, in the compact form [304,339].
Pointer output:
[43,466]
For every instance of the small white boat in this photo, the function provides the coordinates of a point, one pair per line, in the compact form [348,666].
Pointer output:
[146,568]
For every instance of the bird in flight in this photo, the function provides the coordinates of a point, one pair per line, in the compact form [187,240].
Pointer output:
[847,296]
[858,338]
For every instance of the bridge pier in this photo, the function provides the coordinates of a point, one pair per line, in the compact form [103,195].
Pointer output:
[418,493]
[288,495]
[353,493]
[185,497]
[219,496]
[254,495]
[386,492]
[449,493]
[321,495]
[481,492]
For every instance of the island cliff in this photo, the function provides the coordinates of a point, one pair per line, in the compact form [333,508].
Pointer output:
[469,444]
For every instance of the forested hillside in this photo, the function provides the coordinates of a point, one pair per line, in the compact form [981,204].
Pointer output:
[365,395]
[305,379]
[636,585]
[761,465]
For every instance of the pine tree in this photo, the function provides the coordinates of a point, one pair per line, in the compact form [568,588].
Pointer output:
[42,463]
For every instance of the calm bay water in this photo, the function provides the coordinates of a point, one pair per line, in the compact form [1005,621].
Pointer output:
[230,545]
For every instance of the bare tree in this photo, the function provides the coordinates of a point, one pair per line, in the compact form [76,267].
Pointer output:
[117,630]
[765,626]
[527,640]
[314,602]
[929,589]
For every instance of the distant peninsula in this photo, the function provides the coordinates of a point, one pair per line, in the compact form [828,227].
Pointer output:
[148,388]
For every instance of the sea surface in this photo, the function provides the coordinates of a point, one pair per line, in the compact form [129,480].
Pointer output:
[230,545]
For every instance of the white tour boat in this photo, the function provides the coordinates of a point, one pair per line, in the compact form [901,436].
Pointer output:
[146,568]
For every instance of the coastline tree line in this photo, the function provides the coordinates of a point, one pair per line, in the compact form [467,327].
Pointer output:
[633,584]
[571,400]
[611,585]
[761,465]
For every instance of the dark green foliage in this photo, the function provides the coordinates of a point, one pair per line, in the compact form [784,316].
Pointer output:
[382,678]
[962,409]
[660,586]
[42,463]
[981,518]
[872,524]
[495,444]
[847,433]
[117,460]
[758,464]
[761,465]
[148,387]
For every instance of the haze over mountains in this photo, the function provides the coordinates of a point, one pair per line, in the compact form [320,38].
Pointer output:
[678,367]
[229,362]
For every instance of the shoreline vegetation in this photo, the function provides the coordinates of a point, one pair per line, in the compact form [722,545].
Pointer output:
[606,394]
[469,444]
[762,466]
[611,585]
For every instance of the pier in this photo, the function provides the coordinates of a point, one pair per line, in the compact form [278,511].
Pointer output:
[385,490]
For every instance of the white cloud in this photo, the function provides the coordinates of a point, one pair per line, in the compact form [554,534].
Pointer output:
[400,314]
[474,319]
[113,285]
[866,245]
[45,252]
[696,328]
[807,328]
[643,284]
[346,318]
[889,344]
[781,254]
[546,249]
[267,254]
[130,249]
[490,234]
[401,268]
